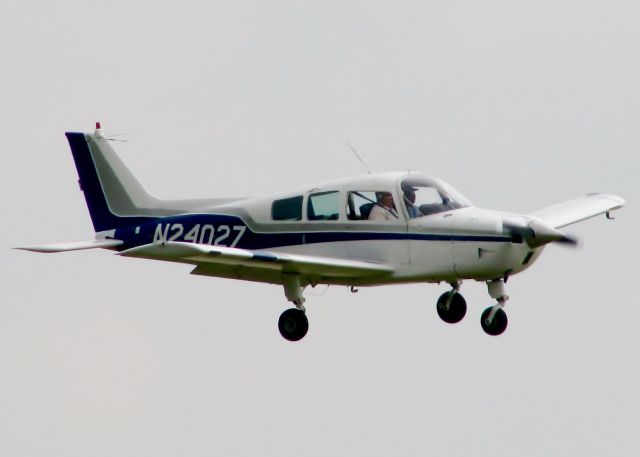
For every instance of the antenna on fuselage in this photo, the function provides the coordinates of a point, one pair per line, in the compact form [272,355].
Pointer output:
[366,167]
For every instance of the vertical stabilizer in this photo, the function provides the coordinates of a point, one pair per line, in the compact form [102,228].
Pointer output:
[114,196]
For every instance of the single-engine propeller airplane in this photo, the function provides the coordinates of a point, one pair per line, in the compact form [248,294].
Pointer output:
[370,230]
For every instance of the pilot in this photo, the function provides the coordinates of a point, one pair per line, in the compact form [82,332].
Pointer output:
[385,209]
[409,197]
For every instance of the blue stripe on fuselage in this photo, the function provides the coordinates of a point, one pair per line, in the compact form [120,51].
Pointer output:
[225,230]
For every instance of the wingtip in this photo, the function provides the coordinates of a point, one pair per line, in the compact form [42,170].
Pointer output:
[38,249]
[618,199]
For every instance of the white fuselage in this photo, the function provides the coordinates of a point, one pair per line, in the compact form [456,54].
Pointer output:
[466,243]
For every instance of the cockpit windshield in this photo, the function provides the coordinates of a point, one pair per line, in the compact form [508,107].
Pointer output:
[423,196]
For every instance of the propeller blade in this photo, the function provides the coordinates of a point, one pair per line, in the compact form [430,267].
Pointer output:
[537,234]
[569,241]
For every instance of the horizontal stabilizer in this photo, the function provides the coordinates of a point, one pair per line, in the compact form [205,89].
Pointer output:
[72,246]
[203,255]
[578,209]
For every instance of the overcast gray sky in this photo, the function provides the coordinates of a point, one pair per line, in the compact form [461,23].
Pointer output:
[517,104]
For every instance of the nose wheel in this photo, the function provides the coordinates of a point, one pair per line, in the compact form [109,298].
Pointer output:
[495,325]
[494,320]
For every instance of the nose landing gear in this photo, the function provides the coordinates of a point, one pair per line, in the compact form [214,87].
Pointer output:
[494,320]
[495,325]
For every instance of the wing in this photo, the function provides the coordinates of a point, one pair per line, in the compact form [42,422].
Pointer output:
[263,266]
[72,246]
[578,209]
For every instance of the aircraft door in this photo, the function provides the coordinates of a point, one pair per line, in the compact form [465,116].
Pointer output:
[429,205]
[376,225]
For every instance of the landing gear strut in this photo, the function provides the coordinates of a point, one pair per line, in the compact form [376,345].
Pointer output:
[451,305]
[494,320]
[293,323]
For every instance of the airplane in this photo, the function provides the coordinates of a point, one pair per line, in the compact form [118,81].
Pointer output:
[370,230]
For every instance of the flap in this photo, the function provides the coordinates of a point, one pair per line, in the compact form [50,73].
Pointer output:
[200,254]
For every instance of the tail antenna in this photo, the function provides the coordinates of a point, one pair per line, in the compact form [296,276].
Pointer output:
[99,133]
[366,167]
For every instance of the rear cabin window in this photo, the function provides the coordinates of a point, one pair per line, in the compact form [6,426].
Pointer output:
[287,209]
[324,206]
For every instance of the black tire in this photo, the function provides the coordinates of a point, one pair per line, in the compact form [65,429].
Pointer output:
[457,308]
[498,325]
[293,324]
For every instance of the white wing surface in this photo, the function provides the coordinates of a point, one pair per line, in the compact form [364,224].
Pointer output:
[265,266]
[576,210]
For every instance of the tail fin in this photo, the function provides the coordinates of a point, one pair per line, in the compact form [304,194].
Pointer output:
[114,196]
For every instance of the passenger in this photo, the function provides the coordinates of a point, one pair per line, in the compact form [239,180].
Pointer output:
[385,209]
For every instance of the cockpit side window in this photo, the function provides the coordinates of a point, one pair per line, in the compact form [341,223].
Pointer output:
[287,209]
[422,197]
[371,205]
[324,206]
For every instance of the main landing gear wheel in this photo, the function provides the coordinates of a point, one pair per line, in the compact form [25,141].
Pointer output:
[293,324]
[495,326]
[451,307]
